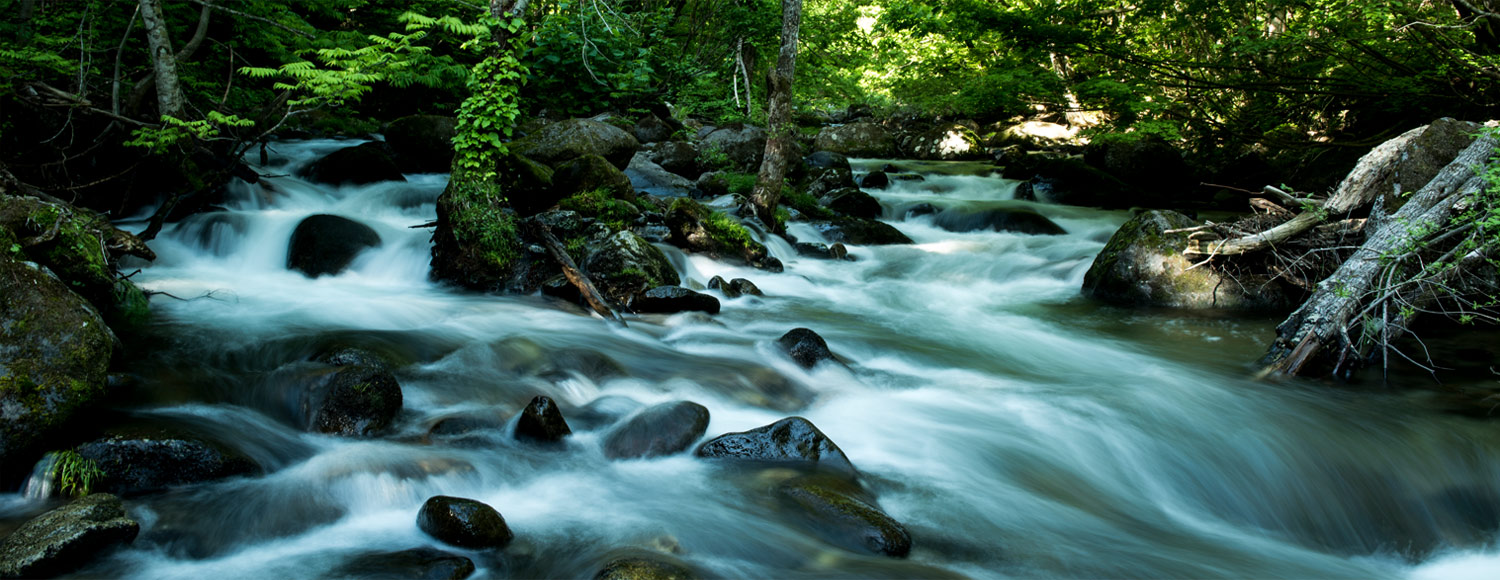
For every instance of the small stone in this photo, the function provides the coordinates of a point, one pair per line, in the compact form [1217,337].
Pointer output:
[542,422]
[805,347]
[669,299]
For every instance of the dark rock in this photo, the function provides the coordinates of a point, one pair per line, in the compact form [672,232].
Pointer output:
[677,157]
[1142,266]
[863,232]
[722,285]
[416,564]
[590,172]
[526,184]
[842,514]
[651,129]
[625,265]
[837,251]
[790,440]
[54,351]
[1146,163]
[857,140]
[805,347]
[826,160]
[659,430]
[1025,192]
[1017,220]
[745,287]
[134,464]
[827,180]
[560,288]
[644,567]
[353,401]
[650,179]
[66,538]
[463,522]
[698,229]
[1070,181]
[813,250]
[541,421]
[852,202]
[948,142]
[464,425]
[922,209]
[745,146]
[358,165]
[710,185]
[875,180]
[669,299]
[346,356]
[422,143]
[573,138]
[326,244]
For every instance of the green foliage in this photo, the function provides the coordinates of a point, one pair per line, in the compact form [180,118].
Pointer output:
[488,115]
[480,222]
[174,131]
[713,158]
[739,183]
[583,60]
[340,74]
[728,232]
[598,204]
[75,475]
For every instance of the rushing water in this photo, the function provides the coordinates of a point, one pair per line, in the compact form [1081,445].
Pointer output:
[1015,428]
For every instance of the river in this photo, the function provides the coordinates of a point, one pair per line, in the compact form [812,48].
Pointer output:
[1015,428]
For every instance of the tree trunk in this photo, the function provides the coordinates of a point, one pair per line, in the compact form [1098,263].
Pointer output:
[169,98]
[767,191]
[1319,330]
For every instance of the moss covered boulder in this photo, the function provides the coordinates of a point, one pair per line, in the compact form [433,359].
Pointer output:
[1141,265]
[857,140]
[526,185]
[54,351]
[843,514]
[696,228]
[742,147]
[946,142]
[476,244]
[66,538]
[574,138]
[138,459]
[625,265]
[592,172]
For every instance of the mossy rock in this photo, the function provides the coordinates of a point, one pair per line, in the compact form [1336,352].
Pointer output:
[527,185]
[574,138]
[1143,266]
[625,265]
[475,244]
[857,140]
[66,538]
[696,228]
[54,351]
[947,142]
[592,172]
[843,514]
[76,244]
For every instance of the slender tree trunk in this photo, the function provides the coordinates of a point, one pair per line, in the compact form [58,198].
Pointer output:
[169,98]
[767,191]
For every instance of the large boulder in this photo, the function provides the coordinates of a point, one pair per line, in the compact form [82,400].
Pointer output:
[1143,266]
[792,440]
[357,165]
[476,244]
[744,146]
[416,563]
[625,265]
[80,247]
[326,244]
[139,462]
[352,401]
[822,181]
[857,140]
[66,538]
[651,129]
[670,299]
[592,172]
[696,228]
[1019,220]
[527,185]
[422,143]
[858,231]
[573,138]
[852,202]
[463,522]
[54,351]
[843,514]
[946,142]
[649,178]
[677,157]
[663,429]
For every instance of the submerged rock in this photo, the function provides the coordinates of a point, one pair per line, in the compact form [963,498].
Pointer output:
[542,422]
[669,299]
[644,567]
[805,347]
[1022,221]
[353,401]
[417,564]
[844,515]
[463,522]
[863,232]
[852,202]
[738,286]
[794,440]
[326,244]
[659,430]
[66,538]
[357,165]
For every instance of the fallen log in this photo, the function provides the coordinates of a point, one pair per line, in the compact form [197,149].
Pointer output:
[576,277]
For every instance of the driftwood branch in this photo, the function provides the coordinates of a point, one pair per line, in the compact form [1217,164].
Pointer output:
[570,270]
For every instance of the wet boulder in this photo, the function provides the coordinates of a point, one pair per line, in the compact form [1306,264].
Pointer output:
[791,440]
[822,251]
[670,299]
[1018,220]
[352,401]
[54,351]
[696,228]
[1141,265]
[852,202]
[345,356]
[140,462]
[946,142]
[875,180]
[542,422]
[744,146]
[644,566]
[573,138]
[843,514]
[824,181]
[66,538]
[476,244]
[677,157]
[528,186]
[417,564]
[591,172]
[734,288]
[463,522]
[862,139]
[805,347]
[863,232]
[326,244]
[625,265]
[357,165]
[664,429]
[422,143]
[648,178]
[826,160]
